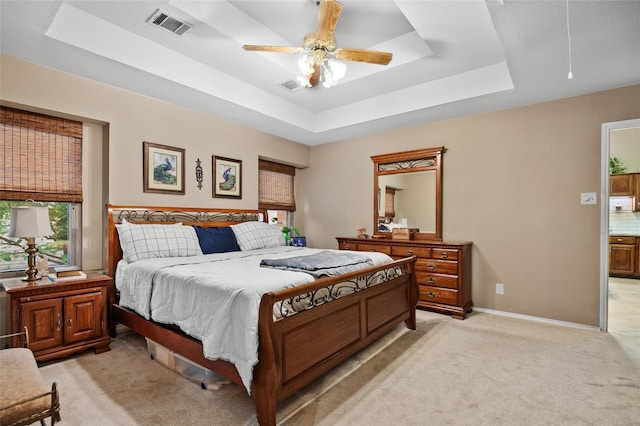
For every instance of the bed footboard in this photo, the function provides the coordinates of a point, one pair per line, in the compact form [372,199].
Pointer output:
[298,347]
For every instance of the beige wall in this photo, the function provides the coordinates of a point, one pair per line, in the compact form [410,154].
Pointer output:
[512,182]
[512,179]
[126,120]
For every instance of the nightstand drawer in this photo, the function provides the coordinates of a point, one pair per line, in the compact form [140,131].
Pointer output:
[435,280]
[438,295]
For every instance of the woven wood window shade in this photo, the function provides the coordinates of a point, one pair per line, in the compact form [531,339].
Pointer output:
[42,157]
[276,190]
[389,202]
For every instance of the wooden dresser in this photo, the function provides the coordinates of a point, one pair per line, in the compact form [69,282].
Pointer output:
[443,269]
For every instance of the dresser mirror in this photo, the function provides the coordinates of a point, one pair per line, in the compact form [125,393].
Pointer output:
[408,193]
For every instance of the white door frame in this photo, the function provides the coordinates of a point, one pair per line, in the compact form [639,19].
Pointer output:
[604,215]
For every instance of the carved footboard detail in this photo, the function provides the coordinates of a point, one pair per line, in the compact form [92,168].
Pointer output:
[299,346]
[328,292]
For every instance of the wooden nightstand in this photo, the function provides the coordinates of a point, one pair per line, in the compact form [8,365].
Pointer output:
[62,317]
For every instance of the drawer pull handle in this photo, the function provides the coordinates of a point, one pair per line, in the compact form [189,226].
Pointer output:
[444,255]
[431,280]
[58,322]
[431,266]
[347,247]
[69,320]
[373,249]
[431,294]
[410,253]
[619,240]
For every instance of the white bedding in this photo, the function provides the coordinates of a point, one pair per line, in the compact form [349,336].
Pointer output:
[219,298]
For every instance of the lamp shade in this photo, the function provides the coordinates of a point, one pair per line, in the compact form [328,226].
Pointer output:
[29,221]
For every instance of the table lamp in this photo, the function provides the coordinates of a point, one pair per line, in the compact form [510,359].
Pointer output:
[30,222]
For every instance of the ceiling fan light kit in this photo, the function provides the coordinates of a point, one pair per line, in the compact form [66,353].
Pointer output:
[320,60]
[314,66]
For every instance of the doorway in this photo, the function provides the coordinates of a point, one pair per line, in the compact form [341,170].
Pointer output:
[619,297]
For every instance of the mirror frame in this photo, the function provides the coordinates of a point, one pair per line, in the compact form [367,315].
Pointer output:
[418,160]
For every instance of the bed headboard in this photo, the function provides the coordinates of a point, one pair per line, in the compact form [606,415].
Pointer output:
[166,215]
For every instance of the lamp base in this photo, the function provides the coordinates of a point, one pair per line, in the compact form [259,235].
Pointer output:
[31,250]
[32,279]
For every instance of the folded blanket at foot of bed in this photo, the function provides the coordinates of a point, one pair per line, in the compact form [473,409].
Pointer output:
[324,263]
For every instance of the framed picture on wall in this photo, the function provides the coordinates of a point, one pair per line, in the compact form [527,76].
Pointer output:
[227,177]
[163,168]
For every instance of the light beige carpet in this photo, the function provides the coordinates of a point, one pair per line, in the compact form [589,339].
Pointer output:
[486,370]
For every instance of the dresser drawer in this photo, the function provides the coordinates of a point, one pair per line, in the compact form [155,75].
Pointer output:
[411,251]
[437,266]
[448,254]
[435,280]
[438,295]
[346,245]
[374,247]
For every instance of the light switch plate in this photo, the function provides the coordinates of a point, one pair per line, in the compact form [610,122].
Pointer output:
[588,198]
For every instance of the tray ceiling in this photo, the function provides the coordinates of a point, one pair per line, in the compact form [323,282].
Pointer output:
[450,58]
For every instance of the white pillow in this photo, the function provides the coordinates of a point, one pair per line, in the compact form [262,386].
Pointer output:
[148,241]
[257,235]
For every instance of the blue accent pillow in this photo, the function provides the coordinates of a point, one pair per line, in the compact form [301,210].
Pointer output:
[216,240]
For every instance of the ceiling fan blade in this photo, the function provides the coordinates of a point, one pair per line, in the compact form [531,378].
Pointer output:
[284,49]
[360,55]
[328,14]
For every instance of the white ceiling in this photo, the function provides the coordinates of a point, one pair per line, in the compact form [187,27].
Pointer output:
[450,58]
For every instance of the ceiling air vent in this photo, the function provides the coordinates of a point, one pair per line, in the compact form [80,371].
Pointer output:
[163,20]
[291,85]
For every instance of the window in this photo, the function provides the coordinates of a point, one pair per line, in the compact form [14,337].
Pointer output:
[389,202]
[276,191]
[59,248]
[281,217]
[42,162]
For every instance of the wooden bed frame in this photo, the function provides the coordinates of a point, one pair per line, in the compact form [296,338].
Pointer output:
[293,350]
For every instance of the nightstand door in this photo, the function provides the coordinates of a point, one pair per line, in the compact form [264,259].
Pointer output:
[43,319]
[83,317]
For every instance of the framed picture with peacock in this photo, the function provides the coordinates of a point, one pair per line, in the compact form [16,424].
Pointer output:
[227,177]
[163,168]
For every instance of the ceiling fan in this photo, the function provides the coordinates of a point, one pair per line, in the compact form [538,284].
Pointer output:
[320,55]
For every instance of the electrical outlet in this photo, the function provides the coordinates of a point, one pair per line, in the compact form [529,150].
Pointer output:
[499,288]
